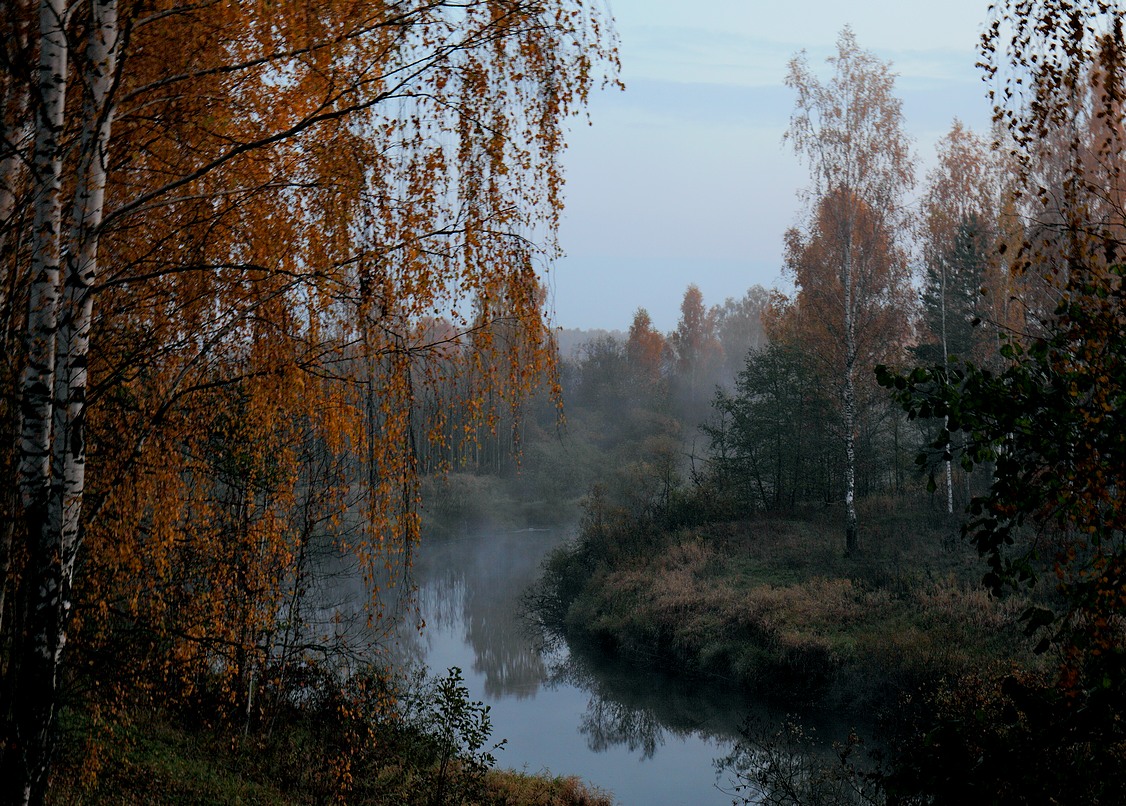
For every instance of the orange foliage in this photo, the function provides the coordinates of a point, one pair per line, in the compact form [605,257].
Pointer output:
[646,348]
[307,209]
[880,300]
[853,301]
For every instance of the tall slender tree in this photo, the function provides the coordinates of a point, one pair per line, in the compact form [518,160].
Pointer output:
[959,230]
[646,350]
[847,264]
[959,225]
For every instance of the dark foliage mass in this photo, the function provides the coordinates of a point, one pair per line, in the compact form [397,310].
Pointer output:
[1050,426]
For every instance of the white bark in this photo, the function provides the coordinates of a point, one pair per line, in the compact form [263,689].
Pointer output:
[850,131]
[52,447]
[852,541]
[945,359]
[69,451]
[38,377]
[38,652]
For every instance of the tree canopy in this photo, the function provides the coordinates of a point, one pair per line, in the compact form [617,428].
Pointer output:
[849,269]
[224,230]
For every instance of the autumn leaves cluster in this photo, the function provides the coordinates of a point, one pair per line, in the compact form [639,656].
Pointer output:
[231,234]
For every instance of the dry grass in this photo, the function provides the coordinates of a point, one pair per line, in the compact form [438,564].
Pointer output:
[506,787]
[775,606]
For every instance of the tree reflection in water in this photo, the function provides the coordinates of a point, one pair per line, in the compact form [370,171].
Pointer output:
[607,723]
[641,711]
[470,593]
[781,765]
[474,583]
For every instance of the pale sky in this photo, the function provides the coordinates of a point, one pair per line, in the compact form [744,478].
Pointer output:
[683,178]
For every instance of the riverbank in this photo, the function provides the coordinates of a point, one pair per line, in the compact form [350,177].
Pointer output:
[772,605]
[312,756]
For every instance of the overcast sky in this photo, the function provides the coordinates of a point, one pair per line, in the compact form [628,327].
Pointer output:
[683,177]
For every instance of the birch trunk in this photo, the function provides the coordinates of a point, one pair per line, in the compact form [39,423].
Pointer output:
[945,360]
[53,449]
[849,130]
[69,449]
[35,656]
[852,539]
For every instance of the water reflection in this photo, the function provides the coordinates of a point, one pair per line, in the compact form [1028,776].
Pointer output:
[607,723]
[568,709]
[473,584]
[642,710]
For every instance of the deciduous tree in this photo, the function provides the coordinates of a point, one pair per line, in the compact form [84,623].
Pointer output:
[959,232]
[847,263]
[739,326]
[698,351]
[646,350]
[240,214]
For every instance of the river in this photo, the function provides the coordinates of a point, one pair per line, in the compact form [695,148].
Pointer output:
[647,739]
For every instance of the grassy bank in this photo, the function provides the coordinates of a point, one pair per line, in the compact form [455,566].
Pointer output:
[773,605]
[431,747]
[162,764]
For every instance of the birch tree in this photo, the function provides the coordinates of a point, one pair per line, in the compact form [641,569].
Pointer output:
[698,352]
[846,261]
[959,230]
[646,351]
[239,204]
[51,449]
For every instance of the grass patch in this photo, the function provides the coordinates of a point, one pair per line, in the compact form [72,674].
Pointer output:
[773,605]
[510,787]
[152,761]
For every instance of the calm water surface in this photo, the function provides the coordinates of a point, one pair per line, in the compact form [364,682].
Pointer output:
[649,740]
